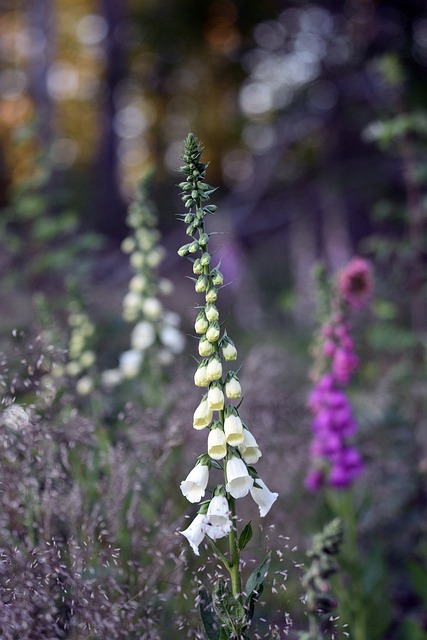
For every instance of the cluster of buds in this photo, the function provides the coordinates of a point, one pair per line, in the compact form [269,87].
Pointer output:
[153,325]
[231,447]
[336,362]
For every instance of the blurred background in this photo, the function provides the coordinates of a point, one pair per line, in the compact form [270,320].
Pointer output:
[314,124]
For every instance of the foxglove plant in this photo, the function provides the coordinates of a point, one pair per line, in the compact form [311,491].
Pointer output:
[231,447]
[333,457]
[154,327]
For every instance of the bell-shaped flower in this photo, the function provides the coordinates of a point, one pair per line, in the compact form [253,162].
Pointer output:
[215,397]
[263,496]
[233,429]
[229,350]
[214,369]
[212,334]
[217,445]
[217,523]
[202,415]
[212,313]
[200,376]
[205,347]
[233,390]
[249,449]
[195,532]
[201,325]
[194,486]
[239,482]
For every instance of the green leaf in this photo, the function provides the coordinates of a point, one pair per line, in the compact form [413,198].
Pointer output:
[209,621]
[256,579]
[419,580]
[228,609]
[245,536]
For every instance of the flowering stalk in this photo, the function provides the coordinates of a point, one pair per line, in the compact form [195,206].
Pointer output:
[333,458]
[231,448]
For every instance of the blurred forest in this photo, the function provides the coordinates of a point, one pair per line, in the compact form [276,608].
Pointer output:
[284,95]
[313,117]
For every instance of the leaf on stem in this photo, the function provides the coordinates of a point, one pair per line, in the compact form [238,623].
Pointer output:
[245,536]
[210,624]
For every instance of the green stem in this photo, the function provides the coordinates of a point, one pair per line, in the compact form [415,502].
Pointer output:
[236,580]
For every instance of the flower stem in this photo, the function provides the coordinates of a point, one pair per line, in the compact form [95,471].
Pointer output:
[236,580]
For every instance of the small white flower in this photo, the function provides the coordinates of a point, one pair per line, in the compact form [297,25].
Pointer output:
[111,377]
[239,481]
[217,445]
[194,486]
[217,522]
[202,415]
[143,335]
[212,334]
[233,390]
[131,301]
[128,245]
[211,312]
[137,260]
[205,347]
[173,339]
[233,429]
[195,532]
[130,363]
[15,417]
[200,375]
[84,385]
[138,283]
[215,398]
[263,497]
[152,308]
[201,325]
[214,369]
[229,351]
[249,449]
[87,359]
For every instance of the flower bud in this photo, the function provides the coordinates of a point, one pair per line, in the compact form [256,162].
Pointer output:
[233,429]
[217,446]
[206,348]
[202,415]
[211,312]
[197,267]
[201,325]
[233,390]
[215,397]
[201,283]
[205,259]
[212,334]
[211,294]
[229,350]
[214,369]
[200,375]
[203,240]
[217,277]
[193,247]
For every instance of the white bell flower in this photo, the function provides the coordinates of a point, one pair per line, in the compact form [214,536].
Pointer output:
[263,497]
[130,363]
[202,415]
[233,390]
[194,486]
[214,369]
[143,335]
[217,523]
[249,449]
[205,347]
[239,481]
[195,532]
[215,398]
[200,376]
[233,429]
[173,339]
[217,445]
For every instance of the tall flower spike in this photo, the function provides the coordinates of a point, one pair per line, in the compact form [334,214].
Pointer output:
[230,446]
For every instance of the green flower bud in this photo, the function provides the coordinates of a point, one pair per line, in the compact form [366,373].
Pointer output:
[211,294]
[214,369]
[189,218]
[201,325]
[217,277]
[233,390]
[191,229]
[201,283]
[211,312]
[205,259]
[204,239]
[197,267]
[212,334]
[194,246]
[184,250]
[229,350]
[206,348]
